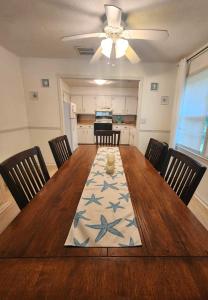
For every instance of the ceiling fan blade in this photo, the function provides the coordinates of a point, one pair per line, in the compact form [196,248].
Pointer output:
[113,14]
[84,36]
[96,56]
[145,34]
[131,55]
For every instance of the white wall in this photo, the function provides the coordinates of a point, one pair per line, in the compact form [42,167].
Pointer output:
[44,114]
[104,90]
[14,134]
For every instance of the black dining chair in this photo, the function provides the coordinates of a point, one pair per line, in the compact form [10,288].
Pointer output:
[25,174]
[182,173]
[61,149]
[107,137]
[156,153]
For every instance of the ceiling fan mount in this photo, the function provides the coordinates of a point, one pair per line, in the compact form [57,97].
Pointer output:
[114,35]
[113,32]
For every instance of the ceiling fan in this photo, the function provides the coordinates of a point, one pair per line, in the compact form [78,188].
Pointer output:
[115,37]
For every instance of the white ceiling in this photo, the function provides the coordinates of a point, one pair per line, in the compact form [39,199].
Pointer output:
[76,82]
[34,27]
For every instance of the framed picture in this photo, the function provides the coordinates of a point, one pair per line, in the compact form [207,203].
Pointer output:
[45,82]
[154,86]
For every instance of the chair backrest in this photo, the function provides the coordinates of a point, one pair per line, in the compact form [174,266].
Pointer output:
[156,153]
[182,173]
[25,174]
[60,149]
[107,137]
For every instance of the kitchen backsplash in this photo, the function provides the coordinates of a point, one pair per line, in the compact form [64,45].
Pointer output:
[116,119]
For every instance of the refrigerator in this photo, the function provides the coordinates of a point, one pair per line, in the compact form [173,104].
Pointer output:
[70,122]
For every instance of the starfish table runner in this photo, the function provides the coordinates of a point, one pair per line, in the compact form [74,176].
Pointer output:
[105,216]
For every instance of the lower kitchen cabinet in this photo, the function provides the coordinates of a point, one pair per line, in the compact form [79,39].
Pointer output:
[124,133]
[85,134]
[132,136]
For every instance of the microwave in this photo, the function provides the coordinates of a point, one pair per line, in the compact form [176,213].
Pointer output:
[103,114]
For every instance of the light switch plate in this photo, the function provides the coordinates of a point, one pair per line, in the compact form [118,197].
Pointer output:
[33,96]
[164,100]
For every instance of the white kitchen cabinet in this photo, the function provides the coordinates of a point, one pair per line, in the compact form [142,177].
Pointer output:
[85,134]
[78,101]
[125,135]
[124,138]
[118,105]
[131,105]
[100,102]
[103,102]
[132,136]
[90,134]
[89,104]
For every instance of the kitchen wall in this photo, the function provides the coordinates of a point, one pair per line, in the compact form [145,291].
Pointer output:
[103,90]
[44,114]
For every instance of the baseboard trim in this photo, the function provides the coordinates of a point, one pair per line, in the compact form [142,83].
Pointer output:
[201,201]
[5,206]
[154,131]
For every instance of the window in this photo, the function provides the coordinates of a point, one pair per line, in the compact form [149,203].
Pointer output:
[192,131]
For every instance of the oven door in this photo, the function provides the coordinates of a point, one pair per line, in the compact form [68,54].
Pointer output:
[102,126]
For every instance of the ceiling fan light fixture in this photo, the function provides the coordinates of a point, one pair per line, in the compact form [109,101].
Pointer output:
[100,81]
[121,46]
[106,46]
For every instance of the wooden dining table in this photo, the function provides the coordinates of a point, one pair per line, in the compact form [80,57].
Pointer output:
[172,262]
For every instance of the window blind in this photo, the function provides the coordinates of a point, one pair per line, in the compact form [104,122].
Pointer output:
[192,132]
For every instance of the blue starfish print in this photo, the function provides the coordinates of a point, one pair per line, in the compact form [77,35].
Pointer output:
[114,206]
[79,244]
[93,199]
[98,173]
[100,159]
[89,181]
[124,184]
[107,185]
[124,197]
[78,216]
[120,172]
[131,243]
[105,227]
[113,176]
[131,222]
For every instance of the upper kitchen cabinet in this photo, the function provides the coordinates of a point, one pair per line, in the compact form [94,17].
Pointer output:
[131,105]
[118,105]
[78,101]
[103,102]
[89,104]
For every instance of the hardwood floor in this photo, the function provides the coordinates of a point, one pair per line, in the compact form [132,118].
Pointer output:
[198,209]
